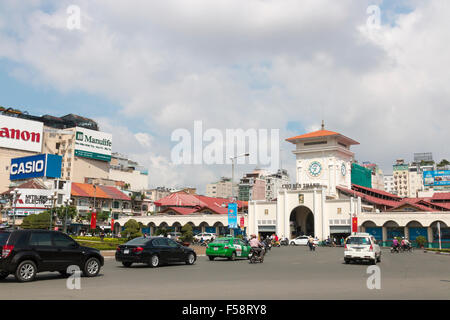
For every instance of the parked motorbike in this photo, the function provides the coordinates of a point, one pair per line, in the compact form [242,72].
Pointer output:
[255,257]
[284,242]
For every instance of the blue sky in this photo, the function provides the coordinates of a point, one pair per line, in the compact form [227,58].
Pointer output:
[145,70]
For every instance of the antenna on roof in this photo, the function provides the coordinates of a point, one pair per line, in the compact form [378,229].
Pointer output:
[323,125]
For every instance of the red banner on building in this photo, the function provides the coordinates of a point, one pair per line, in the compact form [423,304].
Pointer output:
[94,220]
[354,224]
[112,225]
[242,222]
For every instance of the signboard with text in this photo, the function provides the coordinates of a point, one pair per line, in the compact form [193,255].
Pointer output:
[436,178]
[232,215]
[41,165]
[20,134]
[93,144]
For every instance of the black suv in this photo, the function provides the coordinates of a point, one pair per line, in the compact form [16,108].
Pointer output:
[27,252]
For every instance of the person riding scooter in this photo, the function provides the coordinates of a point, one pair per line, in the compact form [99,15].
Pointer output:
[256,245]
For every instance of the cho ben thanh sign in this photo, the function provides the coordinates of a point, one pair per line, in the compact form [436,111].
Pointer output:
[93,144]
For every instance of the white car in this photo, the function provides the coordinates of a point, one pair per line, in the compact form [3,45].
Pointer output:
[206,236]
[362,247]
[302,241]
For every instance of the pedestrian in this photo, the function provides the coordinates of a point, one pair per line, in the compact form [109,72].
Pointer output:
[311,243]
[334,241]
[342,241]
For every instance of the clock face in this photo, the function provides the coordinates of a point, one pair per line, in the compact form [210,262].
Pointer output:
[343,169]
[315,168]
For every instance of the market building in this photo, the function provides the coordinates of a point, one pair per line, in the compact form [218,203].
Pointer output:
[324,200]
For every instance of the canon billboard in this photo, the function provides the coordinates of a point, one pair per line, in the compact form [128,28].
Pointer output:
[21,134]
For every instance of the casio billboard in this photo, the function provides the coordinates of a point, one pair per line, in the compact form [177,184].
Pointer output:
[41,165]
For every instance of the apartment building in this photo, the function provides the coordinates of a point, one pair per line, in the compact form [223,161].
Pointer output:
[220,189]
[275,182]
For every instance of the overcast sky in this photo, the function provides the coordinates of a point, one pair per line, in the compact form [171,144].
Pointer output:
[143,69]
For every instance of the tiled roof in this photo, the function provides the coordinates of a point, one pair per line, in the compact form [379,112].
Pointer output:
[369,199]
[180,210]
[441,196]
[105,192]
[315,134]
[197,202]
[318,134]
[380,192]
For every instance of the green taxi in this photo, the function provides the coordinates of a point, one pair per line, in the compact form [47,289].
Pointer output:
[228,247]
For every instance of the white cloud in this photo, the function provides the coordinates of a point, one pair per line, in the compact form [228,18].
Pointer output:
[244,64]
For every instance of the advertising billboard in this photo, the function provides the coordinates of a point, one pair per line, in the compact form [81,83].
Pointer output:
[21,134]
[436,178]
[232,215]
[32,201]
[41,165]
[93,144]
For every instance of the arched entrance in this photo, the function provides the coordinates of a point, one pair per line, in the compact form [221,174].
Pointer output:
[301,222]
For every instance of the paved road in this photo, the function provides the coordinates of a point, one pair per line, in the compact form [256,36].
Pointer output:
[287,273]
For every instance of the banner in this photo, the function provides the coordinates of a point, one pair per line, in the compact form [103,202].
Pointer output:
[232,215]
[354,224]
[242,222]
[94,220]
[92,144]
[112,225]
[436,178]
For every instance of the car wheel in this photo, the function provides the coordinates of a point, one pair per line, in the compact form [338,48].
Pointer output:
[211,258]
[26,271]
[292,243]
[154,261]
[373,262]
[3,275]
[127,264]
[379,258]
[233,256]
[91,267]
[190,259]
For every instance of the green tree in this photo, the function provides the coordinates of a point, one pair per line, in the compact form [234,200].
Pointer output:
[131,230]
[443,163]
[162,231]
[36,221]
[421,241]
[186,233]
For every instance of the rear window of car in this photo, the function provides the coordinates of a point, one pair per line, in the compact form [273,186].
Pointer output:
[358,240]
[224,240]
[138,241]
[3,238]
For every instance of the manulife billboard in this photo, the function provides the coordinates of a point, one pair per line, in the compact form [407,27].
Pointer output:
[93,144]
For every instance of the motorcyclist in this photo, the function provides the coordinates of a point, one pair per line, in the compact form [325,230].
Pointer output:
[395,244]
[256,245]
[405,244]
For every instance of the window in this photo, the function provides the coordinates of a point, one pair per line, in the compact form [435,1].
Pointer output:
[41,239]
[61,240]
[172,243]
[161,242]
[314,143]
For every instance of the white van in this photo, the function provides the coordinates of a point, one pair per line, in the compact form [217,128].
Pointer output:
[362,247]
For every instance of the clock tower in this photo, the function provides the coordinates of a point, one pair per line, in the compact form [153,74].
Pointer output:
[323,158]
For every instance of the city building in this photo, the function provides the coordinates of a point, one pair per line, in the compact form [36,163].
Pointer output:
[324,202]
[389,184]
[204,214]
[130,172]
[377,180]
[253,186]
[220,189]
[275,182]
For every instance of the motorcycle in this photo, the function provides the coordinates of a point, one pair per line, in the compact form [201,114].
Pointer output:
[255,257]
[395,249]
[406,248]
[284,242]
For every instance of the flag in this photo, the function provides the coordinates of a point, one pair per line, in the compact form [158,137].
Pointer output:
[354,224]
[94,220]
[112,225]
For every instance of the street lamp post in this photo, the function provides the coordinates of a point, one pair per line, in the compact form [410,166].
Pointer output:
[15,194]
[53,200]
[67,202]
[232,175]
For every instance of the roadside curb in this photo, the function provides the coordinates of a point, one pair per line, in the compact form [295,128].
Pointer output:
[437,252]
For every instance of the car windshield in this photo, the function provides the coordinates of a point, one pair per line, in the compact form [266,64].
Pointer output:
[222,240]
[3,238]
[358,240]
[138,241]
